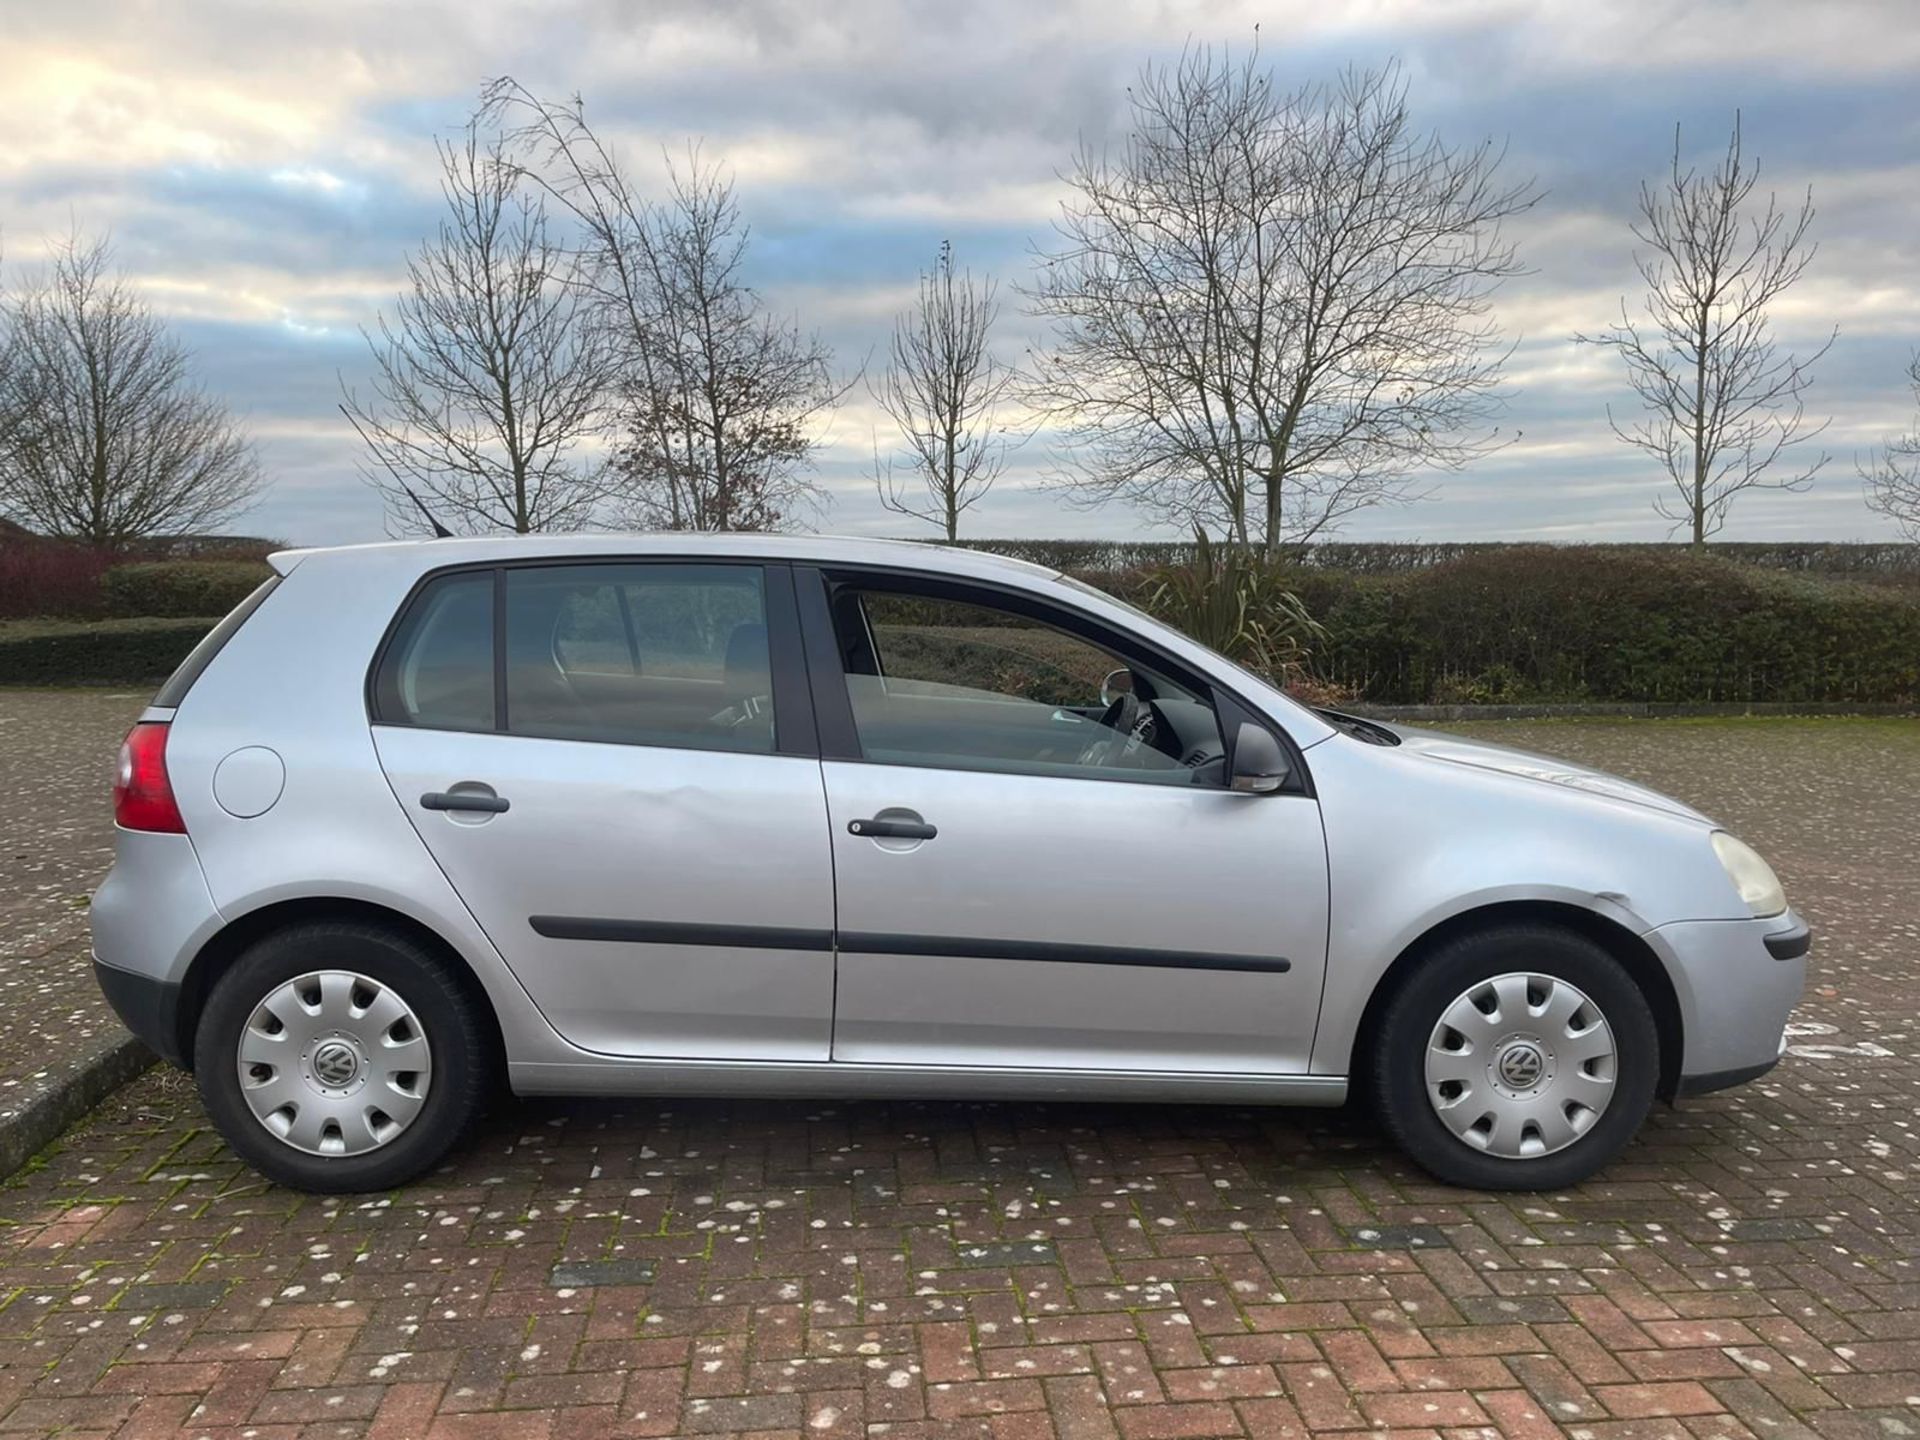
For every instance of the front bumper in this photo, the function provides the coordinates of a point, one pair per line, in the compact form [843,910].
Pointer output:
[1691,1085]
[1737,982]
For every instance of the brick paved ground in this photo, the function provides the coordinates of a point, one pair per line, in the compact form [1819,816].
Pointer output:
[57,749]
[1050,1272]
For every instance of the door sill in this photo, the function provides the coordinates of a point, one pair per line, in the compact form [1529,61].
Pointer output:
[878,1081]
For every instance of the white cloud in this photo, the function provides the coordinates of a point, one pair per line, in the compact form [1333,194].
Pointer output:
[265,168]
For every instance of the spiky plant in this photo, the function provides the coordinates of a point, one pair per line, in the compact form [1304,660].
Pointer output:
[1233,601]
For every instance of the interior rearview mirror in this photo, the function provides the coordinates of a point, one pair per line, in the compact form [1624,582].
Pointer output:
[1259,764]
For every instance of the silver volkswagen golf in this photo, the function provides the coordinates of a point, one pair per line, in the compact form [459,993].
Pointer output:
[672,815]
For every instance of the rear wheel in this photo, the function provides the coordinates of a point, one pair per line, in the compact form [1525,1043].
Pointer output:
[340,1057]
[1518,1058]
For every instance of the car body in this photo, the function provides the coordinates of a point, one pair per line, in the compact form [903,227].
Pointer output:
[721,814]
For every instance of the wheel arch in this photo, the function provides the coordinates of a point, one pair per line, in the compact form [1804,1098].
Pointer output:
[1633,953]
[226,946]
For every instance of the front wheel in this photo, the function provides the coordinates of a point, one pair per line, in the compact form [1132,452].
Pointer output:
[340,1057]
[1520,1058]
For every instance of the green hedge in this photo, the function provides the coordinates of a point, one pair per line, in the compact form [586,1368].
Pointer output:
[1539,623]
[176,588]
[1512,624]
[103,652]
[1886,561]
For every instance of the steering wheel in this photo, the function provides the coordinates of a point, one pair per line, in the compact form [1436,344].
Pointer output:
[744,712]
[1126,720]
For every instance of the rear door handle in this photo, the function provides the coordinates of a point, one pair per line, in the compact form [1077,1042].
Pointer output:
[464,800]
[887,828]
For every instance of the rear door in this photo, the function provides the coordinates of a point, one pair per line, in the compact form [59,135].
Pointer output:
[1029,877]
[614,764]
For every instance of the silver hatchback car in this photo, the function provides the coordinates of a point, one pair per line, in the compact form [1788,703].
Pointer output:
[673,815]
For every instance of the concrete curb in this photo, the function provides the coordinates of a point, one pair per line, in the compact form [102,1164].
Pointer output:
[68,1095]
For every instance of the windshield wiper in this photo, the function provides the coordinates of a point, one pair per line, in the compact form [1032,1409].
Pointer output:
[1369,731]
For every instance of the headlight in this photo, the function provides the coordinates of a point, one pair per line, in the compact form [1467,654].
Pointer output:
[1751,875]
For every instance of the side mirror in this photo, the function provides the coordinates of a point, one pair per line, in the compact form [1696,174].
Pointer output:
[1117,683]
[1259,764]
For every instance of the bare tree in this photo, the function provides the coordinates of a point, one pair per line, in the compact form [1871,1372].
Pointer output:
[1271,309]
[1722,402]
[719,396]
[112,440]
[489,375]
[10,418]
[1893,476]
[721,404]
[942,390]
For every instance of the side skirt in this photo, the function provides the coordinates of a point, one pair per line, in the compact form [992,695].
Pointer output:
[849,1080]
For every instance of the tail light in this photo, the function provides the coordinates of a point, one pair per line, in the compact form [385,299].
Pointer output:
[142,794]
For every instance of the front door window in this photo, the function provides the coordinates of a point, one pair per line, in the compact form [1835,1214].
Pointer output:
[972,686]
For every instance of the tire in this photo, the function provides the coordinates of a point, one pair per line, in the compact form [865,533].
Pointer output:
[403,1106]
[1541,1096]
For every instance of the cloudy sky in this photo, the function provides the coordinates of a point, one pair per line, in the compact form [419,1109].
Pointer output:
[264,168]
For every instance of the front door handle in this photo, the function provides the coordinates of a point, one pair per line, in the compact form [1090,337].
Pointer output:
[464,800]
[885,827]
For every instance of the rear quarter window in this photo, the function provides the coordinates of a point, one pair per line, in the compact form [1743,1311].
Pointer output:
[437,668]
[181,681]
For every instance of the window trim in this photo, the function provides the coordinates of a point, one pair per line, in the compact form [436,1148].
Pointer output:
[795,731]
[833,706]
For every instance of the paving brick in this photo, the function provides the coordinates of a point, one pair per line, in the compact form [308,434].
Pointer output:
[1427,1408]
[188,1295]
[1177,1422]
[571,1273]
[1079,1408]
[1631,1402]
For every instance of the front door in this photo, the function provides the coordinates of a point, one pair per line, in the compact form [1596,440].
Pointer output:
[612,786]
[1038,862]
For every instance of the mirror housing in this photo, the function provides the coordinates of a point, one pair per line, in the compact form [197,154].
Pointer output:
[1115,684]
[1259,764]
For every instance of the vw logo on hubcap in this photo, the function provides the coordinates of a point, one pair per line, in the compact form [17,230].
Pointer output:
[1521,1066]
[335,1064]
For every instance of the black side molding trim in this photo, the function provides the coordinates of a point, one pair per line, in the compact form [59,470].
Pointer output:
[1714,1080]
[772,937]
[962,947]
[656,932]
[1791,944]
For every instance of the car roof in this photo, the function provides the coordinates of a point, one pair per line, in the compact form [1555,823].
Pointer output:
[420,556]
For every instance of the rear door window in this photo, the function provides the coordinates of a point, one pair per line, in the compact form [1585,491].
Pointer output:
[640,654]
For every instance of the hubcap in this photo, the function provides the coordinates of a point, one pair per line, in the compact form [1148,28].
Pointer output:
[1521,1065]
[334,1063]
